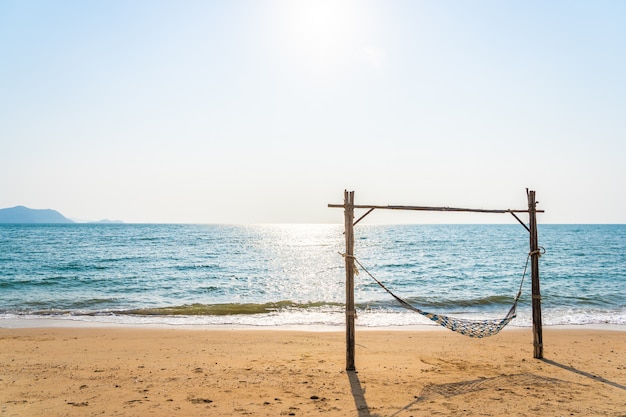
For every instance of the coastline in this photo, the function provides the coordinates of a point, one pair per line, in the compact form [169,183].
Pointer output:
[76,322]
[221,370]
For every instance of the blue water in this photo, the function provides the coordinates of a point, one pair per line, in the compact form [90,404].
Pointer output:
[293,275]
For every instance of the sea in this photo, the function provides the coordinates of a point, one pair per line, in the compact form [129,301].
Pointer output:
[276,276]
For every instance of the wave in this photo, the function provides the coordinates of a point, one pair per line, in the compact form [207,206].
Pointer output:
[420,302]
[196,267]
[285,314]
[33,282]
[93,307]
[226,309]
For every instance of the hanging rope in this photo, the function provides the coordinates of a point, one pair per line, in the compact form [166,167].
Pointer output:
[471,328]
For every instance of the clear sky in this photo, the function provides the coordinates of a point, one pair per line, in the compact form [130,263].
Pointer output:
[265,111]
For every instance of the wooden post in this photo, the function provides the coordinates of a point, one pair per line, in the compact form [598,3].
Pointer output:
[350,310]
[536,290]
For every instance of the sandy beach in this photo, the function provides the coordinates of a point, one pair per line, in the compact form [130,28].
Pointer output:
[168,372]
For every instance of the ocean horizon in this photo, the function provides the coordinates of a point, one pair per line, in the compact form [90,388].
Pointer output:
[293,274]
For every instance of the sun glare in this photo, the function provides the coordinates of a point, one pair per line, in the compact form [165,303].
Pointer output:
[322,31]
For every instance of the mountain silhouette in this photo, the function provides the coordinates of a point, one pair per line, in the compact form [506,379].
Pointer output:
[21,214]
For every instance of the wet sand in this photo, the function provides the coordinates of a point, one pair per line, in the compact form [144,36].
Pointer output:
[171,372]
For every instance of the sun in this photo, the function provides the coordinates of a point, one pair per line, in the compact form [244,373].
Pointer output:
[320,32]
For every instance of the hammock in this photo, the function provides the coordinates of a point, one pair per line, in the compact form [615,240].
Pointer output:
[471,328]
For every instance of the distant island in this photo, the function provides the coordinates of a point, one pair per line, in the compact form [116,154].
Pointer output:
[107,221]
[21,214]
[25,215]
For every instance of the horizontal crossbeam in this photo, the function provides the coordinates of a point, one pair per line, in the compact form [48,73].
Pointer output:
[426,208]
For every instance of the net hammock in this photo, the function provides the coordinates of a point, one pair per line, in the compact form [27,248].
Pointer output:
[466,327]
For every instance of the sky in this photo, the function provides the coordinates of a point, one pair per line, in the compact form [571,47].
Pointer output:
[265,111]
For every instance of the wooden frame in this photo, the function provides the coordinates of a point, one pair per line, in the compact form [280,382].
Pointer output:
[349,208]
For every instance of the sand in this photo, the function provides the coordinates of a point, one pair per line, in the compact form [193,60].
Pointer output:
[171,372]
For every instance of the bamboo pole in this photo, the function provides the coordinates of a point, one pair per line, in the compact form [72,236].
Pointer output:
[349,258]
[536,290]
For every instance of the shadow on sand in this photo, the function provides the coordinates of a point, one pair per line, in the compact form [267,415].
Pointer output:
[463,387]
[358,393]
[585,374]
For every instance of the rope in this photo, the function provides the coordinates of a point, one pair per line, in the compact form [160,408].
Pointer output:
[537,252]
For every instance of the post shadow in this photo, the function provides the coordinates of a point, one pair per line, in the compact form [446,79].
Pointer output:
[358,394]
[585,374]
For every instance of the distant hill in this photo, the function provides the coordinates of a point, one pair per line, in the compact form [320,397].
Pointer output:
[21,214]
[107,221]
